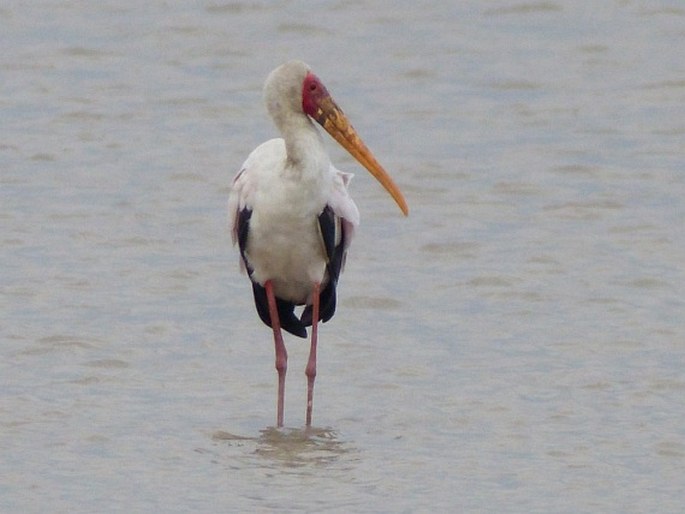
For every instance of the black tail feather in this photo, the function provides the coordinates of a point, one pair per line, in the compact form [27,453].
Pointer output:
[327,301]
[329,224]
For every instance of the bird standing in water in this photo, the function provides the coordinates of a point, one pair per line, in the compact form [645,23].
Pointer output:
[291,214]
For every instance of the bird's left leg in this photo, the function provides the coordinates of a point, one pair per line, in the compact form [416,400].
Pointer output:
[310,371]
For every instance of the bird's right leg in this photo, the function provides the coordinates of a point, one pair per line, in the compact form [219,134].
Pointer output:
[281,354]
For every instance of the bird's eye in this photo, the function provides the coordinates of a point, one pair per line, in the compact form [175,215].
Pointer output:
[312,86]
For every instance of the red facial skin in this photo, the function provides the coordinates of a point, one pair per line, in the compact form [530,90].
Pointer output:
[313,92]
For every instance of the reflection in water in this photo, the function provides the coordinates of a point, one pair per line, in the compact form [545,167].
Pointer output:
[293,447]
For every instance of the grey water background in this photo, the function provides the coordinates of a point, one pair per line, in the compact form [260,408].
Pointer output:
[516,345]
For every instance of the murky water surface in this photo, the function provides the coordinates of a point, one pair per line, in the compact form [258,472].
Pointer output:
[516,345]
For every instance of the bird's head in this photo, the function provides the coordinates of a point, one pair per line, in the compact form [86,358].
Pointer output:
[293,88]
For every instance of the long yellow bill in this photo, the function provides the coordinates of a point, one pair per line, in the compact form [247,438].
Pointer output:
[334,121]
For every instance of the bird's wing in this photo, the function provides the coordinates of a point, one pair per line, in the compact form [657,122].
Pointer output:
[239,211]
[337,222]
[244,188]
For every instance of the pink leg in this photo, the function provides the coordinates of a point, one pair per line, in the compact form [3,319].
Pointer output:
[281,354]
[310,371]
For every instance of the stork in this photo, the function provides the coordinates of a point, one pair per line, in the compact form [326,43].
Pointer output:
[291,214]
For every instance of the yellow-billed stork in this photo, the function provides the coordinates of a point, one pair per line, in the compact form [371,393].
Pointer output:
[291,214]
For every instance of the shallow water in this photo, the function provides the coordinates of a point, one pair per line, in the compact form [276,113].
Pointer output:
[516,344]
